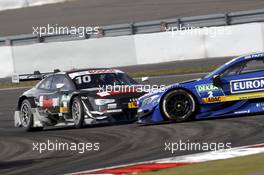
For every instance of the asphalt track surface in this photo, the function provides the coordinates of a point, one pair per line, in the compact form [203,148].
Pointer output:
[118,144]
[107,12]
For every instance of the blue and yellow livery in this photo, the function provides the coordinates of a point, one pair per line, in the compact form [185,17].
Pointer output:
[236,88]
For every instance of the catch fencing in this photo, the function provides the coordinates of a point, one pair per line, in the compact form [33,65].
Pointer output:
[136,43]
[145,27]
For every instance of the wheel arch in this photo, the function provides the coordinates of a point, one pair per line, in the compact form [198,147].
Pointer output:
[22,98]
[71,101]
[79,121]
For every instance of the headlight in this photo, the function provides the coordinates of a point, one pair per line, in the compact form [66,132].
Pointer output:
[150,100]
[101,102]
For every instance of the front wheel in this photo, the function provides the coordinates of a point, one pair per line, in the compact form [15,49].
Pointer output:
[178,106]
[77,112]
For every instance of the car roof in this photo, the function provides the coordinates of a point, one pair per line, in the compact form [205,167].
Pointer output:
[89,69]
[245,57]
[251,56]
[78,72]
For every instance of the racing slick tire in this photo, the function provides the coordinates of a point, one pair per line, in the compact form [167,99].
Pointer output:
[77,112]
[27,118]
[178,106]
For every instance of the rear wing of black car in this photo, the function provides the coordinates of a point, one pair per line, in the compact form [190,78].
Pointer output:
[37,75]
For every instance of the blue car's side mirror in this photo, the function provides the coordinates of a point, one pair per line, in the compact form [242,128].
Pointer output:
[217,81]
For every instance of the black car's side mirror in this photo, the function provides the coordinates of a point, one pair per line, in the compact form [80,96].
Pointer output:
[60,88]
[144,79]
[217,81]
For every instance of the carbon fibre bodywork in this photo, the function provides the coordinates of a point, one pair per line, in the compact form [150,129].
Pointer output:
[51,99]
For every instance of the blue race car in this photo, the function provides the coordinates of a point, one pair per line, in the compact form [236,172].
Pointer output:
[236,88]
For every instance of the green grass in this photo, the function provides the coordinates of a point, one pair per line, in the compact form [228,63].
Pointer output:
[4,85]
[248,165]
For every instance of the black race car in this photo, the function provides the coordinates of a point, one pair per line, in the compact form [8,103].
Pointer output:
[79,97]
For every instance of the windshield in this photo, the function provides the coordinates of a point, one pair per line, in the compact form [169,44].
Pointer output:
[100,80]
[219,68]
[212,73]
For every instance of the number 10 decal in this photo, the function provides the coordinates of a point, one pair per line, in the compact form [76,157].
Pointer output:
[83,79]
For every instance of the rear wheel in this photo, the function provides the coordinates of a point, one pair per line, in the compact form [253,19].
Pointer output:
[27,118]
[77,112]
[178,106]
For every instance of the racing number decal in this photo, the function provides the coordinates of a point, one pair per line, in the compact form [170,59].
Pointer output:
[83,79]
[210,94]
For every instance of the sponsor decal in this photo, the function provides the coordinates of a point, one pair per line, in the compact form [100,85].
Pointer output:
[123,91]
[103,94]
[209,90]
[65,98]
[47,102]
[255,56]
[213,99]
[107,93]
[101,71]
[132,104]
[64,107]
[259,105]
[84,98]
[90,72]
[206,88]
[113,111]
[247,85]
[242,112]
[55,102]
[112,106]
[41,101]
[64,110]
[234,97]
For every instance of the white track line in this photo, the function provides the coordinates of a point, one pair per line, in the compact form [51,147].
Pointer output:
[195,158]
